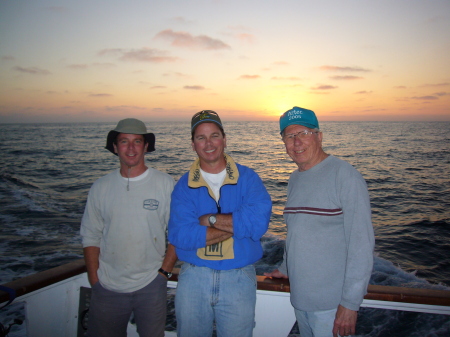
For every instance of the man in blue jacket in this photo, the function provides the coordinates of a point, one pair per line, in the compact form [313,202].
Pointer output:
[219,212]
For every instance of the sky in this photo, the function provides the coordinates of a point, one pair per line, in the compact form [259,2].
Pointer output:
[101,61]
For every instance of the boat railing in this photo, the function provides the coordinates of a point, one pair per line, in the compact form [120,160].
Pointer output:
[405,295]
[58,292]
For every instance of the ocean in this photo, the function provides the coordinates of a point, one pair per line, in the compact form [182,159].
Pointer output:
[46,171]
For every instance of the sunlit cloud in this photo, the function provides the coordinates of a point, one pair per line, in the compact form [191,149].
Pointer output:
[86,66]
[373,110]
[249,77]
[103,65]
[320,93]
[246,38]
[186,40]
[363,92]
[440,94]
[177,74]
[346,78]
[32,70]
[100,95]
[194,87]
[77,66]
[242,34]
[181,20]
[140,55]
[123,107]
[445,84]
[293,78]
[280,63]
[348,69]
[425,98]
[324,87]
[158,87]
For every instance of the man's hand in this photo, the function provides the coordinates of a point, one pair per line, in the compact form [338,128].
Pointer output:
[276,273]
[345,322]
[91,258]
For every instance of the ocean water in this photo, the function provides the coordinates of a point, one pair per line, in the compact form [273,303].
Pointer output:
[46,171]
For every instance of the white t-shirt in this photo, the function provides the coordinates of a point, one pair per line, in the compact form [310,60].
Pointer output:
[215,181]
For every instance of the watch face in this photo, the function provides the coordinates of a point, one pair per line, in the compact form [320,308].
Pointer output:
[212,219]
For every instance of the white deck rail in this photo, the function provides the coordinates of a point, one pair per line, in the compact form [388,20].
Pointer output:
[52,302]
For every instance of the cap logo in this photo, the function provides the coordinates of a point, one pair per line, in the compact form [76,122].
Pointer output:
[204,115]
[294,114]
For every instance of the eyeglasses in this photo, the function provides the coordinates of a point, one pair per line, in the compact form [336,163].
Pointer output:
[302,135]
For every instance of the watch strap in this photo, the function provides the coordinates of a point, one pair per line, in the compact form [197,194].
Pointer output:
[165,273]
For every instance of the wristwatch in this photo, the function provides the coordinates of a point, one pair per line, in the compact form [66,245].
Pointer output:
[165,273]
[212,220]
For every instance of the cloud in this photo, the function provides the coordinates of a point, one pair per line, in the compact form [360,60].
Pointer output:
[32,70]
[249,77]
[241,33]
[186,40]
[346,78]
[445,84]
[363,92]
[77,66]
[123,107]
[246,37]
[324,87]
[349,69]
[440,94]
[100,95]
[292,78]
[103,65]
[400,87]
[281,63]
[182,20]
[158,87]
[139,55]
[7,58]
[176,74]
[194,87]
[425,98]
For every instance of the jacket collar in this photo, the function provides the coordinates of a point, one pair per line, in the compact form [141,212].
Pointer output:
[196,180]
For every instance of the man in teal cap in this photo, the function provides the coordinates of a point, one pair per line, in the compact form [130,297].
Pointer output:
[329,246]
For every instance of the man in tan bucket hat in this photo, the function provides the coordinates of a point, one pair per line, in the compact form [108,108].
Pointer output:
[124,238]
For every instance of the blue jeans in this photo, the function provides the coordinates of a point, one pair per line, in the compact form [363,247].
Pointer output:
[109,311]
[315,323]
[226,297]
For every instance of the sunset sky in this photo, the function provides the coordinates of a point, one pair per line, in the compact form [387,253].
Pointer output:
[94,61]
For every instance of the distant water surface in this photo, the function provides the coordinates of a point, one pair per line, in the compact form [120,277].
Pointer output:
[46,171]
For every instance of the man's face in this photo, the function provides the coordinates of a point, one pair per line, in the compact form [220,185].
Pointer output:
[305,151]
[209,143]
[131,149]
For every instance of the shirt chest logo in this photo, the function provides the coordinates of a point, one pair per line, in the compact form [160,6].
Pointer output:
[151,204]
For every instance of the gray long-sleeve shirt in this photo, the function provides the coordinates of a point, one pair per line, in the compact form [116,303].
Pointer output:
[330,240]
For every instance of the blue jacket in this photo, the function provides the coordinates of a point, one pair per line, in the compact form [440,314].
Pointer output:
[243,194]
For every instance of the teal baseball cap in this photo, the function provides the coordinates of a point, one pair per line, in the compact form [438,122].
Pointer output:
[298,116]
